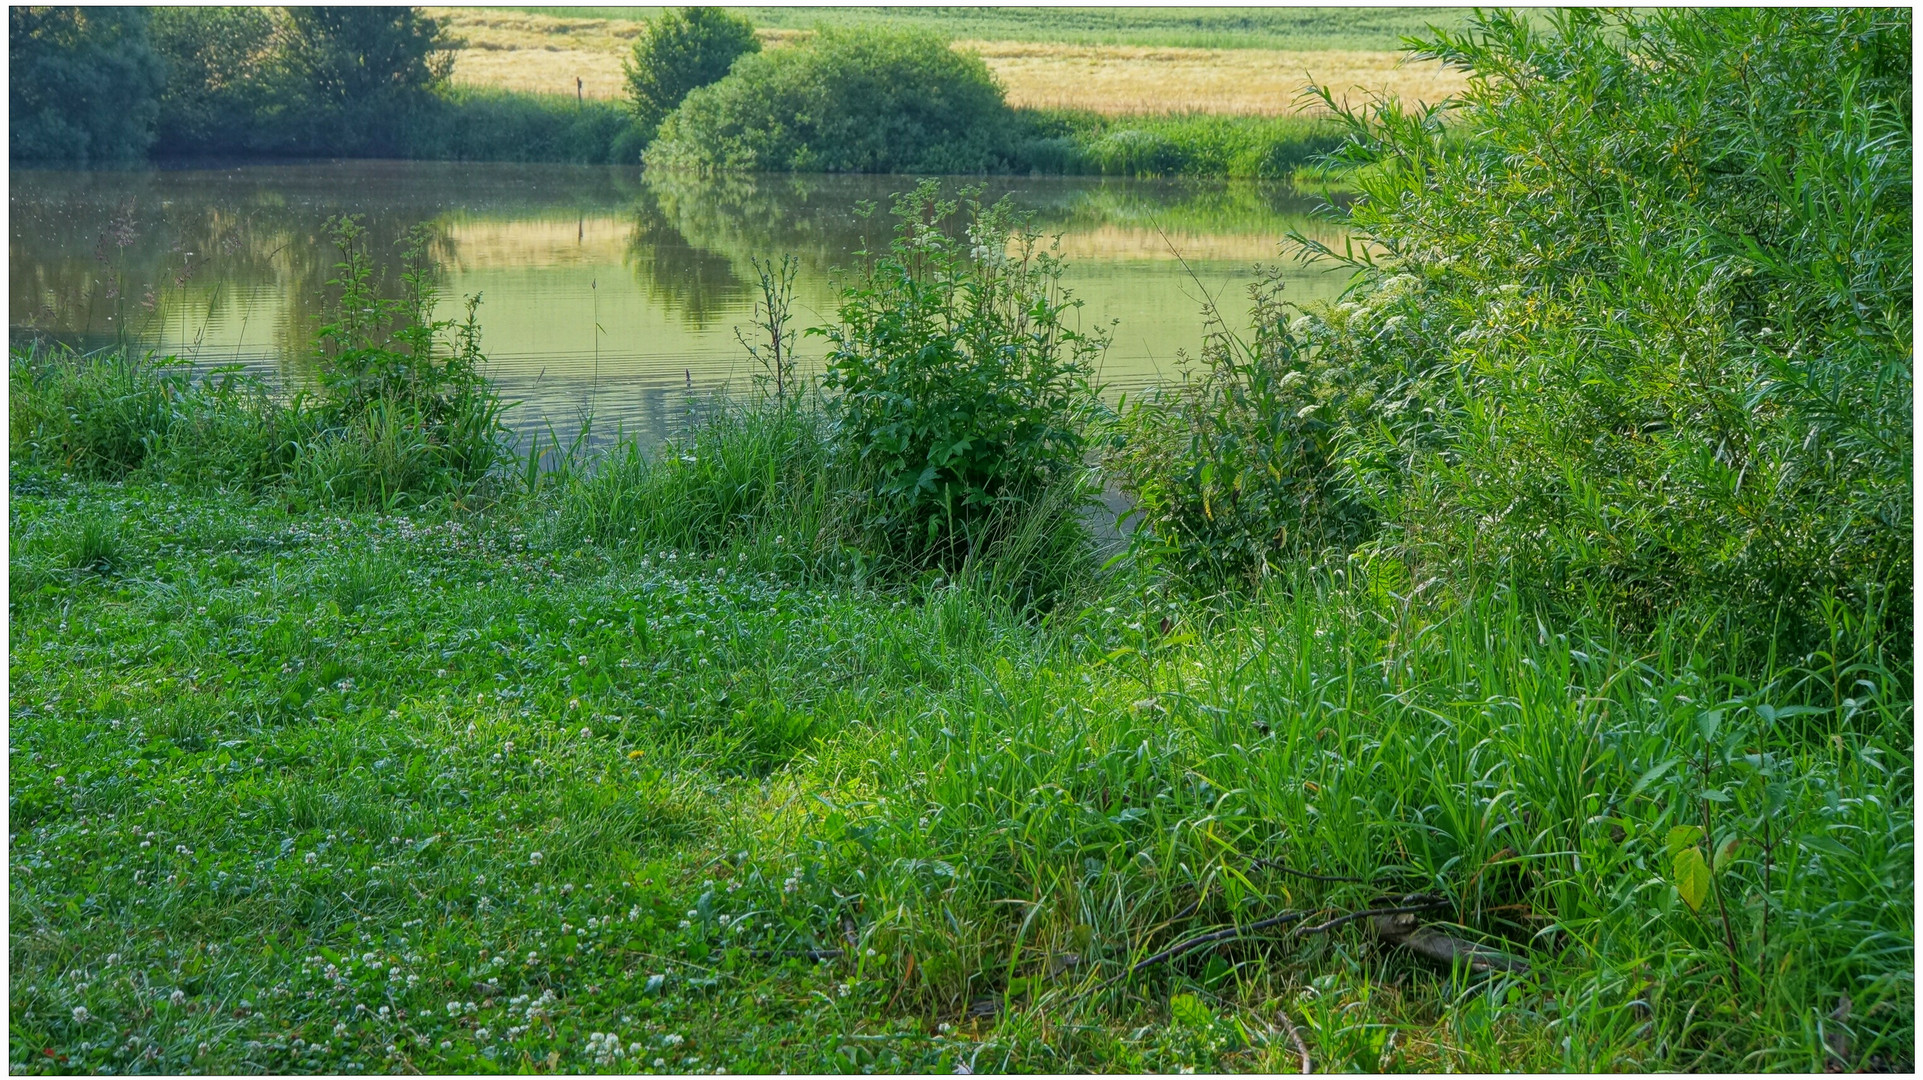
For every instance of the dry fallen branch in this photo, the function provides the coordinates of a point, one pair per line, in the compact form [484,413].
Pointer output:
[1431,943]
[1295,1037]
[1235,932]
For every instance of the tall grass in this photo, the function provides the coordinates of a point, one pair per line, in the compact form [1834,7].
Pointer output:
[1542,781]
[475,124]
[109,415]
[1239,147]
[758,485]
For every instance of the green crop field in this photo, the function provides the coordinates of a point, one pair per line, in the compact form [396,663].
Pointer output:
[1199,27]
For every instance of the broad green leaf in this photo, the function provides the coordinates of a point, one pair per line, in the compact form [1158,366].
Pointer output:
[1692,877]
[1682,836]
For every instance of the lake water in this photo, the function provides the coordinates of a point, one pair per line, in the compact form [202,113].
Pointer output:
[605,291]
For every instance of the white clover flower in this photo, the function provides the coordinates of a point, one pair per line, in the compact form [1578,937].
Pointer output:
[672,1040]
[482,1035]
[340,1030]
[534,859]
[178,997]
[81,1015]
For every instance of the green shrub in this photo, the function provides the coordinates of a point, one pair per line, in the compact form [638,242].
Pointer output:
[1616,336]
[682,51]
[844,102]
[1236,471]
[83,84]
[958,385]
[1673,322]
[407,410]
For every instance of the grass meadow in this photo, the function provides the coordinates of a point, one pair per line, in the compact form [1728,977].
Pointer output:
[1510,666]
[456,791]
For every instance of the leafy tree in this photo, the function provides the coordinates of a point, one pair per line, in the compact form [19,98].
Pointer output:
[220,75]
[845,101]
[84,84]
[352,75]
[682,51]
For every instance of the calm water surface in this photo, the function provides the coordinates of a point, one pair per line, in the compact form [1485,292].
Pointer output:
[605,292]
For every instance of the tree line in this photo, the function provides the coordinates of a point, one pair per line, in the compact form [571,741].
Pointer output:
[93,86]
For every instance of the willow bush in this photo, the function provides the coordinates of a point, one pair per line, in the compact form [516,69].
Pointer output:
[1631,318]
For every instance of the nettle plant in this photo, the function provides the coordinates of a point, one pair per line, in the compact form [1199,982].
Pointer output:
[1280,441]
[956,379]
[405,401]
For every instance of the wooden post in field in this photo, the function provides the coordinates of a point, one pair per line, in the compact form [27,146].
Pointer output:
[579,97]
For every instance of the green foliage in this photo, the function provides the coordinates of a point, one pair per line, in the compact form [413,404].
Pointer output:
[957,383]
[683,50]
[83,84]
[109,416]
[1679,324]
[1656,355]
[302,80]
[222,76]
[1234,471]
[355,73]
[878,101]
[408,409]
[471,124]
[1251,147]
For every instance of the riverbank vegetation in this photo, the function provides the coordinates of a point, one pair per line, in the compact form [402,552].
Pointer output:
[291,83]
[1510,668]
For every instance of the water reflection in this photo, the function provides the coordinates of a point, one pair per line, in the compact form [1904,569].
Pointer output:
[606,292]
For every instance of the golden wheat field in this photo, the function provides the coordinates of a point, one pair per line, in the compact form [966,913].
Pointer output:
[543,54]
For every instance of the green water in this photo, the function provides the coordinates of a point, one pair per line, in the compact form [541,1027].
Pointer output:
[605,292]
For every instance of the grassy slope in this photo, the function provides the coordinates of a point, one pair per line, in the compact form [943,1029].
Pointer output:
[1198,27]
[447,793]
